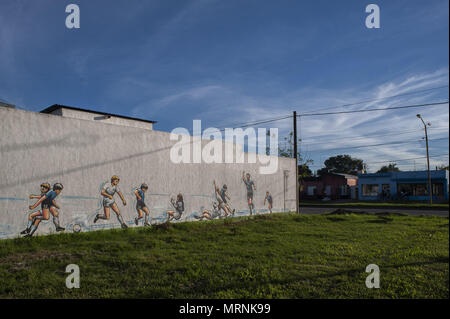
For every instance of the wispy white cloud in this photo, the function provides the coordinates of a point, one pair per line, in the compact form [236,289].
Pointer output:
[223,105]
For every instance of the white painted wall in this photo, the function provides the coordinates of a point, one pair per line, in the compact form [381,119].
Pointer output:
[83,154]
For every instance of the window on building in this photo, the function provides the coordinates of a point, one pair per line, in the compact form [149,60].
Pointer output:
[438,189]
[311,190]
[370,189]
[413,189]
[343,190]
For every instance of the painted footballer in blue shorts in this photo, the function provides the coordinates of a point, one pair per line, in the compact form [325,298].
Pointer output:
[47,201]
[269,201]
[140,205]
[222,198]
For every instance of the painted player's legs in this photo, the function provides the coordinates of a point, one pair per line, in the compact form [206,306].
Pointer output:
[147,214]
[270,208]
[230,209]
[55,214]
[140,215]
[104,216]
[226,209]
[37,220]
[30,222]
[170,214]
[250,204]
[119,216]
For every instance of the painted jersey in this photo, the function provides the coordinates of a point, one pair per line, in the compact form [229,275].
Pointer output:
[142,194]
[179,206]
[269,199]
[223,194]
[110,189]
[49,197]
[249,185]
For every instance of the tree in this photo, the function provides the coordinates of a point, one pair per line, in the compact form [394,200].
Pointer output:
[343,164]
[389,168]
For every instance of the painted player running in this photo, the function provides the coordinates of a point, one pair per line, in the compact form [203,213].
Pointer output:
[47,202]
[140,205]
[108,191]
[222,198]
[269,201]
[250,187]
[179,208]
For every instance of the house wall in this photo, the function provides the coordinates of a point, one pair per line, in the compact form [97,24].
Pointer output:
[84,154]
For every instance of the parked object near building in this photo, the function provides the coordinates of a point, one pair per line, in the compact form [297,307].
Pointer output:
[407,185]
[329,185]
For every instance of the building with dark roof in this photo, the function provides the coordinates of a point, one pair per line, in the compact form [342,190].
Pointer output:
[83,114]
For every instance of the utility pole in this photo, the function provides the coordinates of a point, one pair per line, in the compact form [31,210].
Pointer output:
[296,165]
[430,192]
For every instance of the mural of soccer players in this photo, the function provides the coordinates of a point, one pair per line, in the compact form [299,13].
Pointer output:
[269,201]
[206,214]
[250,187]
[140,205]
[178,205]
[108,191]
[222,198]
[47,202]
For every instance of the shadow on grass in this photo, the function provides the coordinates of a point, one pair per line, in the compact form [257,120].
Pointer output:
[355,272]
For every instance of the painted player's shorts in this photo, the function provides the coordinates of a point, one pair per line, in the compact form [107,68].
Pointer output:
[249,196]
[108,202]
[45,206]
[140,205]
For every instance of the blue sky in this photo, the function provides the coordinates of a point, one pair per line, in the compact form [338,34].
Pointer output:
[228,62]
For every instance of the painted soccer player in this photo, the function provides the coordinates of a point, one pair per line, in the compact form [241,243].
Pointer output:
[108,191]
[46,201]
[269,201]
[140,205]
[222,198]
[206,214]
[45,187]
[250,187]
[179,208]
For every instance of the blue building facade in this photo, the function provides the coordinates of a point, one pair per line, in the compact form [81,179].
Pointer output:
[403,186]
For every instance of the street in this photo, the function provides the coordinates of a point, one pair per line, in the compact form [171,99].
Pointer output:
[418,212]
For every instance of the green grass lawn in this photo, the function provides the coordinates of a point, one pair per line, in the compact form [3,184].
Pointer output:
[276,256]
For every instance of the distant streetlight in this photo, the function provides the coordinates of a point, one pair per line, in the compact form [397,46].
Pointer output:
[428,158]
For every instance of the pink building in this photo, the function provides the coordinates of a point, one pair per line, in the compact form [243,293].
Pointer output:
[332,185]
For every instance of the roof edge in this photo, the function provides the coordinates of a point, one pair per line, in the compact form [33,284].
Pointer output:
[54,107]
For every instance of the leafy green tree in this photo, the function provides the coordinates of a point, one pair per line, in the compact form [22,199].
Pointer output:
[389,168]
[344,164]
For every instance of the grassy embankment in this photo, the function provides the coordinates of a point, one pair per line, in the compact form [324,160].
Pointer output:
[276,256]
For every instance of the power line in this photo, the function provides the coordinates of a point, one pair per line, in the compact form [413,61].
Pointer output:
[373,110]
[391,161]
[369,136]
[374,145]
[383,98]
[406,159]
[259,122]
